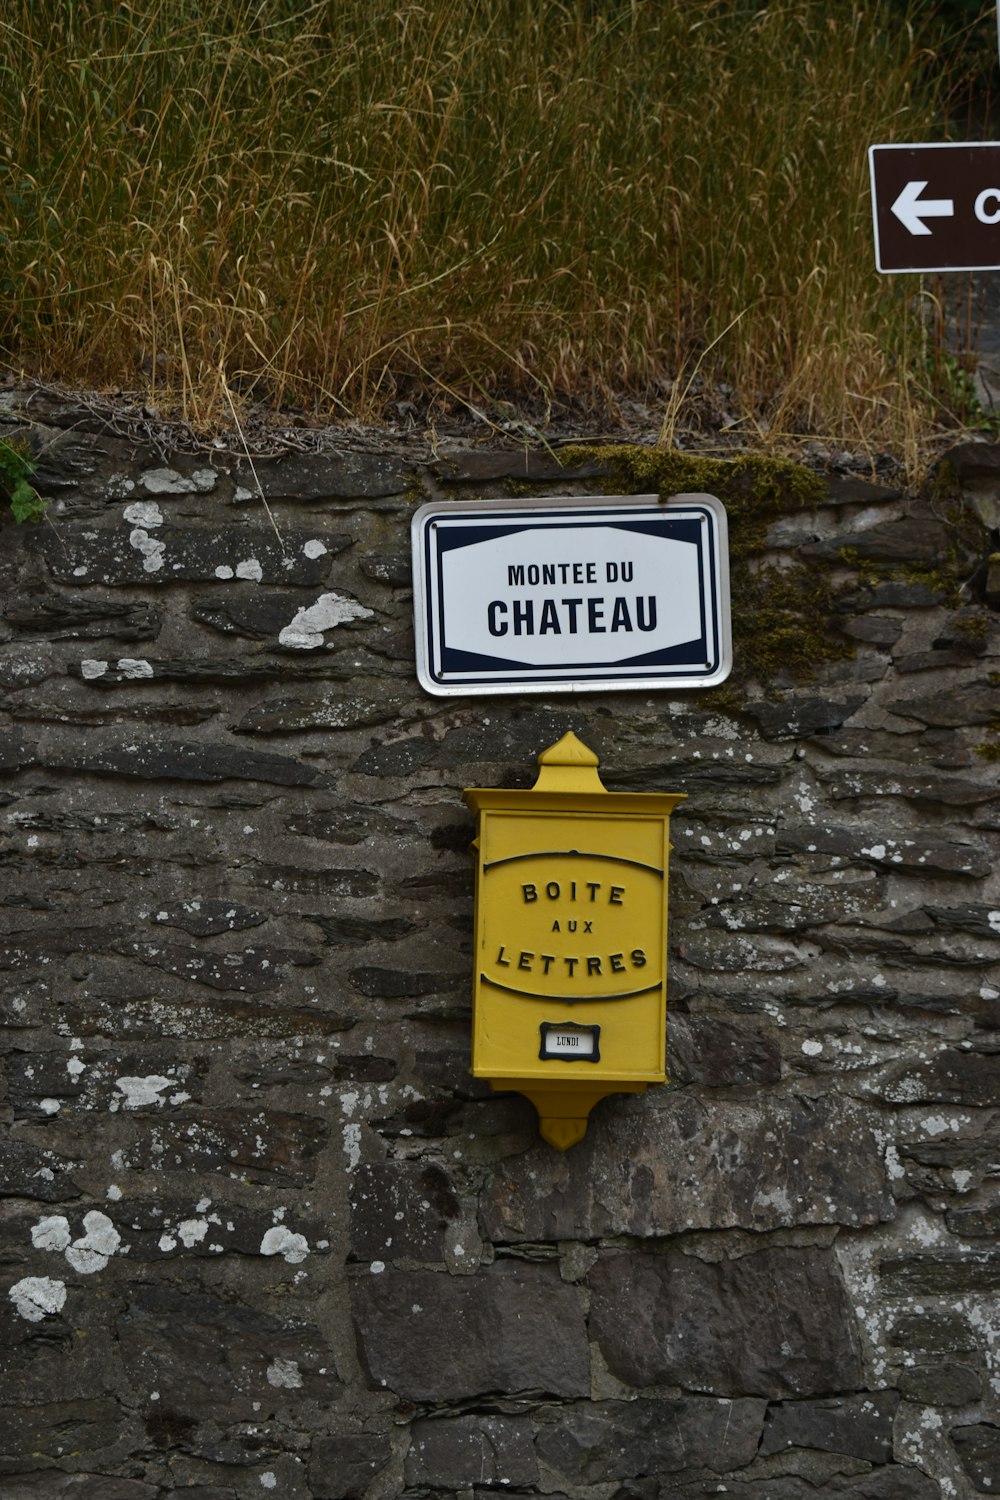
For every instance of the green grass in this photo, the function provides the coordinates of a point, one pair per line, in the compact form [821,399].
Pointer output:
[342,204]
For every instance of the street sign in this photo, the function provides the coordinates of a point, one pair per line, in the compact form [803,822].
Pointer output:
[936,207]
[571,595]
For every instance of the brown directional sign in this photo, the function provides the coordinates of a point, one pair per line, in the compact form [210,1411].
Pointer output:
[936,207]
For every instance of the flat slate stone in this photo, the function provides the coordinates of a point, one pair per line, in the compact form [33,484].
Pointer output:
[242,609]
[208,1355]
[264,1146]
[914,540]
[962,707]
[62,617]
[401,1210]
[255,970]
[452,1453]
[342,1468]
[597,1441]
[764,1164]
[941,1385]
[56,1484]
[719,1054]
[512,1328]
[130,556]
[978,1446]
[29,1172]
[801,714]
[312,478]
[173,760]
[775,1323]
[860,1426]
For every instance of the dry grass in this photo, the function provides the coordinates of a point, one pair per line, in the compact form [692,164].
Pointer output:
[337,205]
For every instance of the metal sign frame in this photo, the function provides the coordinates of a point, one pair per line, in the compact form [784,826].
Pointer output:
[447,667]
[920,209]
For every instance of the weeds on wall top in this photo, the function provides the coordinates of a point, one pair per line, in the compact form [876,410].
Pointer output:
[16,469]
[344,205]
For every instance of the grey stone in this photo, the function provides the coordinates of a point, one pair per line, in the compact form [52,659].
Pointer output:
[49,1430]
[55,1484]
[800,714]
[330,710]
[926,789]
[775,1323]
[313,478]
[939,1331]
[345,824]
[242,609]
[914,540]
[512,1328]
[893,595]
[208,1355]
[339,932]
[975,467]
[947,1275]
[264,1146]
[967,631]
[205,916]
[719,1054]
[687,1164]
[165,760]
[130,556]
[393,568]
[978,1446]
[883,851]
[593,1442]
[342,1468]
[61,617]
[401,984]
[848,489]
[953,1076]
[877,630]
[30,1172]
[164,1228]
[975,1223]
[255,970]
[303,881]
[401,1210]
[941,1385]
[454,1452]
[860,1426]
[965,706]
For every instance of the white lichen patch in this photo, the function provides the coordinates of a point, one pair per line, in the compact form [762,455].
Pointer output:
[224,571]
[51,1233]
[38,1297]
[95,1247]
[281,1241]
[134,667]
[314,548]
[305,633]
[251,569]
[144,513]
[152,550]
[192,1232]
[90,669]
[139,1093]
[284,1373]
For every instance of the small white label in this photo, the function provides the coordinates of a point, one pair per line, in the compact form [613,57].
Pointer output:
[570,1043]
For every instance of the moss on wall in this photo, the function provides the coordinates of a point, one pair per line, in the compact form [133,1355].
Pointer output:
[782,617]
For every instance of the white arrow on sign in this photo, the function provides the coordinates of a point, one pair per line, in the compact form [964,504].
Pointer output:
[911,210]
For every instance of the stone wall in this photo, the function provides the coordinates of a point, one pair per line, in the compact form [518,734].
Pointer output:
[263,1234]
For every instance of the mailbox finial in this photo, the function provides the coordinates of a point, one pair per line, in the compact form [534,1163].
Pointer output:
[569,766]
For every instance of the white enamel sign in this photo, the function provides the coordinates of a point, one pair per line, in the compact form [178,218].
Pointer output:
[571,595]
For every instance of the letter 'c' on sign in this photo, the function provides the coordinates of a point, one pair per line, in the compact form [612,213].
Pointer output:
[984,216]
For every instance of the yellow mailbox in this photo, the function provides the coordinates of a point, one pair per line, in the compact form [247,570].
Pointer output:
[571,939]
